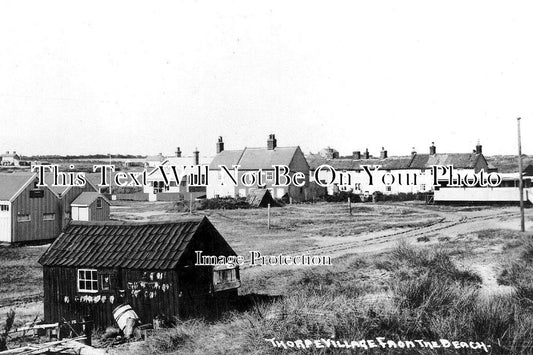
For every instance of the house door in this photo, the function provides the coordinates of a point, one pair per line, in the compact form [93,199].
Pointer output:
[5,224]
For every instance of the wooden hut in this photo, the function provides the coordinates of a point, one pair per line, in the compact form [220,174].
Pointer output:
[93,267]
[261,198]
[28,213]
[90,206]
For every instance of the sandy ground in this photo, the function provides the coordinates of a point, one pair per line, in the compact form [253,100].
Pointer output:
[440,222]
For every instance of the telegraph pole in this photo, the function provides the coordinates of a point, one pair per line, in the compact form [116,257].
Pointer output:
[520,180]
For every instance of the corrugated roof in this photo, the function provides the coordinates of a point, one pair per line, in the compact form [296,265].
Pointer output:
[11,183]
[111,244]
[87,198]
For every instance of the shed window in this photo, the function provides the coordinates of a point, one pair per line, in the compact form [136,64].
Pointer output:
[4,208]
[105,282]
[23,218]
[224,276]
[49,216]
[87,280]
[98,203]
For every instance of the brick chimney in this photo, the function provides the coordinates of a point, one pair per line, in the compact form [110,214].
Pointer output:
[356,155]
[479,148]
[432,149]
[196,154]
[272,143]
[220,145]
[383,154]
[178,152]
[367,154]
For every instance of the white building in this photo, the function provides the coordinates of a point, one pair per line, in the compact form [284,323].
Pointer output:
[393,175]
[158,190]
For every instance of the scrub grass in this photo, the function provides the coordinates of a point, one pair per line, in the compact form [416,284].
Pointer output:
[407,294]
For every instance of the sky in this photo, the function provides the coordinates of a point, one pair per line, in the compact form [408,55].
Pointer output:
[146,77]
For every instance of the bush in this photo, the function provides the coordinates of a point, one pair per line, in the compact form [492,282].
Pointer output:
[403,197]
[342,196]
[224,203]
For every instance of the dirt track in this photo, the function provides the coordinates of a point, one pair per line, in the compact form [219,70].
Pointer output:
[452,222]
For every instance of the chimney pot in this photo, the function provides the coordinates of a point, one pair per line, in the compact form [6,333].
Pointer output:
[367,154]
[196,154]
[178,152]
[479,148]
[272,143]
[383,154]
[220,145]
[432,149]
[356,155]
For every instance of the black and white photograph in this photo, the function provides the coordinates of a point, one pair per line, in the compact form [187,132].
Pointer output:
[266,177]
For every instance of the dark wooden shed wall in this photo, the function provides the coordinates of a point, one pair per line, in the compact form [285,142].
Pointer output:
[36,207]
[99,214]
[188,291]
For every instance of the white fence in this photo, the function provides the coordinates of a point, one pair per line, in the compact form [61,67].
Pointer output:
[482,194]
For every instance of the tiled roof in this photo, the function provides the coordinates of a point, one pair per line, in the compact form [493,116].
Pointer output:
[418,161]
[87,198]
[227,158]
[111,244]
[179,162]
[11,183]
[254,158]
[392,163]
[458,160]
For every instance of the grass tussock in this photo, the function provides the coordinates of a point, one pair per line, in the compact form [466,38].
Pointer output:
[424,296]
[519,272]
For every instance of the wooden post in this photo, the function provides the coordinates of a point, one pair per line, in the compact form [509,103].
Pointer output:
[350,205]
[268,215]
[190,203]
[87,330]
[520,180]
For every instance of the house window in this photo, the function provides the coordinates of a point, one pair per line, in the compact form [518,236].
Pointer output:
[357,186]
[87,280]
[98,203]
[388,188]
[4,208]
[23,218]
[423,187]
[49,216]
[67,215]
[270,175]
[173,183]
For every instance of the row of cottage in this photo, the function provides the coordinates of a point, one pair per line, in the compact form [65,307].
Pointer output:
[29,212]
[221,184]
